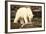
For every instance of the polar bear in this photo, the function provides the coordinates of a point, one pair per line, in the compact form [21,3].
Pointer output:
[23,12]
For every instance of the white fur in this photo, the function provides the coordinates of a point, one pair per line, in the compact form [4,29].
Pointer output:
[23,13]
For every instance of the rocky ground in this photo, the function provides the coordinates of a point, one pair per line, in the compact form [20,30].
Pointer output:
[36,22]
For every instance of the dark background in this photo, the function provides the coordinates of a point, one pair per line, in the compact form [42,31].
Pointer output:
[36,20]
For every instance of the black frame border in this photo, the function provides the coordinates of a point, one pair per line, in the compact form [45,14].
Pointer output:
[6,16]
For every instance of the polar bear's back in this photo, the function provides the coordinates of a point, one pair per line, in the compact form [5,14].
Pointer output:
[21,12]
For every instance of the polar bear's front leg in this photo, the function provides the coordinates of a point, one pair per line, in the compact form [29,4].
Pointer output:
[30,19]
[26,21]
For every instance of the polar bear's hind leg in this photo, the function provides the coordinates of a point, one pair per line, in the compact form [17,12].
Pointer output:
[16,19]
